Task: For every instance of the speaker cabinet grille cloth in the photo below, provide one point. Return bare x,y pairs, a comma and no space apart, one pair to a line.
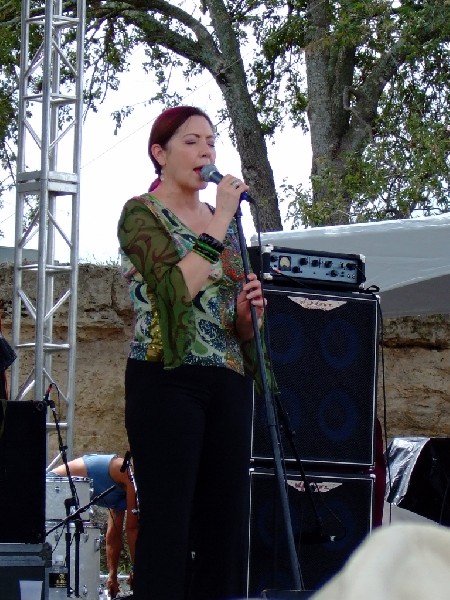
22,472
324,356
344,504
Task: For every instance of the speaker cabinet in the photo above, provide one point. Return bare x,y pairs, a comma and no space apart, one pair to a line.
22,472
24,571
323,348
344,505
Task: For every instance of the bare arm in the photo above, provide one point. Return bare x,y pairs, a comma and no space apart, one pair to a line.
113,547
132,523
114,533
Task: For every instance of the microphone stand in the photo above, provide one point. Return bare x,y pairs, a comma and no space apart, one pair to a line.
271,420
76,513
73,501
318,531
75,516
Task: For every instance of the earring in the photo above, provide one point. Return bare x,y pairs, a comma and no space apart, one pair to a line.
161,175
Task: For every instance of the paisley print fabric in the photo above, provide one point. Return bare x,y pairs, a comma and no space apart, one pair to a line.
171,326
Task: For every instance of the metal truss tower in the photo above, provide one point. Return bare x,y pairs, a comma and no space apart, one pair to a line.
50,125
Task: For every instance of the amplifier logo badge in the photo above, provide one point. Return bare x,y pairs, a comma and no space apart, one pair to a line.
312,304
316,486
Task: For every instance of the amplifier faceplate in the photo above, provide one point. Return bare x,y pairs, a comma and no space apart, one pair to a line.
309,266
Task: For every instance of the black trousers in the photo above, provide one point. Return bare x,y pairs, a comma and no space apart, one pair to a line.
189,432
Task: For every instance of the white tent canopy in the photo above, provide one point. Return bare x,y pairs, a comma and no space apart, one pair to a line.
408,259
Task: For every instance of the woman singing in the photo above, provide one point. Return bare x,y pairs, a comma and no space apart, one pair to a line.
187,384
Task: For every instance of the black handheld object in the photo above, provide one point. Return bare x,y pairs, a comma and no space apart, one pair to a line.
210,173
126,461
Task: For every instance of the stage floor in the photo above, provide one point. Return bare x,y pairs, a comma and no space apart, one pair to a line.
394,514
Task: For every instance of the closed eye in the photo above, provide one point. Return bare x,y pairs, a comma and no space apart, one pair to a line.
211,141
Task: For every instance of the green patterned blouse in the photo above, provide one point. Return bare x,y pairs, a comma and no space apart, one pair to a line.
171,327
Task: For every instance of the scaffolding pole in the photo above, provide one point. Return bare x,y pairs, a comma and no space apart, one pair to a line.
49,133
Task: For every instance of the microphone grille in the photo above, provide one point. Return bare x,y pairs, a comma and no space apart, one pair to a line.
207,171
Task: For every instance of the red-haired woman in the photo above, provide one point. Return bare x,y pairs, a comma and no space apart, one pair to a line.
188,381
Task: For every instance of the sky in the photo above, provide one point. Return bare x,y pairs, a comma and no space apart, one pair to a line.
115,165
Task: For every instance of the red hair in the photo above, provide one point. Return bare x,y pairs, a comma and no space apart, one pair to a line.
165,127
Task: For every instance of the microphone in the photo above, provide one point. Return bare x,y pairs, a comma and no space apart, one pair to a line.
210,173
47,395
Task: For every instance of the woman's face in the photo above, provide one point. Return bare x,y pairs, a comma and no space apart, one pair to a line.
188,150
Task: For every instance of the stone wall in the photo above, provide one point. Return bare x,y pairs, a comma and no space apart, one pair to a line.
413,390
104,325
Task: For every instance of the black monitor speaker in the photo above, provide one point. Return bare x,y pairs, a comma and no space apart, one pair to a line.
22,471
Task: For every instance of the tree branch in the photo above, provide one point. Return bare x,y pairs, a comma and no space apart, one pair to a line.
143,15
369,93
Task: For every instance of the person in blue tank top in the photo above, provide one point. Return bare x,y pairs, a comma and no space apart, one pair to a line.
105,471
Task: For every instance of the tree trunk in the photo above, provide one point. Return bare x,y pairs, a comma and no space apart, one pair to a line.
329,70
250,140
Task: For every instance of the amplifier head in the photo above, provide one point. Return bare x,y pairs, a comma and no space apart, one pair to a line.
308,268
